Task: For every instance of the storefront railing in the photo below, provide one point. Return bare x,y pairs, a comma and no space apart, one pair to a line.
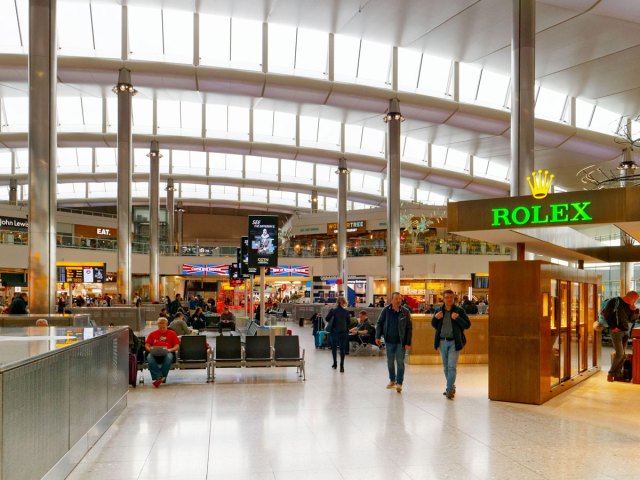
359,248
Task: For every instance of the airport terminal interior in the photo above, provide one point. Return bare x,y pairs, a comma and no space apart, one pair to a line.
488,147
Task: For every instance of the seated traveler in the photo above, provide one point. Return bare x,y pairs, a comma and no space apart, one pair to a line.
363,327
198,320
161,345
227,320
179,326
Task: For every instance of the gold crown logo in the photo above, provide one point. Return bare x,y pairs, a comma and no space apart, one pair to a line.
540,183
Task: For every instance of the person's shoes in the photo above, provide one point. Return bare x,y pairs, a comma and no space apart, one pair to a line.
341,369
334,366
164,379
449,394
157,382
391,385
610,378
399,388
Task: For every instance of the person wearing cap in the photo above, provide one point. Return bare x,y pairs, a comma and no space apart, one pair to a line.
162,337
618,312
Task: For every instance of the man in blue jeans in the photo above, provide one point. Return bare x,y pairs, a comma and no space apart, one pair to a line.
620,312
450,321
394,324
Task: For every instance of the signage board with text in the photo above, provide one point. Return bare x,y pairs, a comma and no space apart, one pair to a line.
263,241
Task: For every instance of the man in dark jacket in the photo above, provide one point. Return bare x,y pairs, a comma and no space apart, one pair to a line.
450,321
394,324
19,305
618,313
338,321
175,305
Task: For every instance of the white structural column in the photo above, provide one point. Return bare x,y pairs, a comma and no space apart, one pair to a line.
154,222
343,177
179,222
627,168
171,212
522,93
125,92
393,119
42,155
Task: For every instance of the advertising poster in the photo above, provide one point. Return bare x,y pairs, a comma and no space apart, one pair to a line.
263,241
244,264
235,278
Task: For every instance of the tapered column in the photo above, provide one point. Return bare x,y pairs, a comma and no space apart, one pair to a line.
343,177
522,93
13,191
42,155
393,119
154,222
125,92
179,222
171,214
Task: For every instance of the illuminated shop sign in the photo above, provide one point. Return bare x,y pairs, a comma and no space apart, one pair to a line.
223,270
357,226
574,212
263,241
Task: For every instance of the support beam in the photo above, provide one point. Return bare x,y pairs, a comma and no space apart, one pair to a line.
393,118
154,222
343,178
42,155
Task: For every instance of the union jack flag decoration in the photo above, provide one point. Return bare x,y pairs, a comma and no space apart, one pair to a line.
299,270
193,270
218,270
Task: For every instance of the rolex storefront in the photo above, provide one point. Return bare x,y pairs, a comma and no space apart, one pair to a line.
541,338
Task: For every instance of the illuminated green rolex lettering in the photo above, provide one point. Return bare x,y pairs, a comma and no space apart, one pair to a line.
520,215
581,215
500,214
556,213
559,212
536,215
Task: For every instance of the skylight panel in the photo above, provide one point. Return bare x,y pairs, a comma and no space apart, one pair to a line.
145,33
372,183
141,162
408,69
142,115
296,171
224,192
434,75
261,167
304,200
106,160
178,36
498,171
10,40
278,197
326,175
284,127
605,121
140,189
282,48
71,190
190,163
329,133
194,190
330,204
107,28
75,36
23,22
215,40
456,160
311,53
584,112
469,80
238,122
373,141
102,189
74,160
493,89
22,161
256,195
407,191
112,112
374,65
191,118
246,44
168,116
438,156
352,137
16,112
262,124
69,110
346,54
414,150
6,162
480,166
550,104
356,180
225,165
92,114
216,118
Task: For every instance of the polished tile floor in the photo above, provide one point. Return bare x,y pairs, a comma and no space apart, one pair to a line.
268,424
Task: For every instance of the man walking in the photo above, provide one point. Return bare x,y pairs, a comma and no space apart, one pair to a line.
394,324
450,321
619,312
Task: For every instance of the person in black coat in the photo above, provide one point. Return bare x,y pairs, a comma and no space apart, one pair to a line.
338,321
19,304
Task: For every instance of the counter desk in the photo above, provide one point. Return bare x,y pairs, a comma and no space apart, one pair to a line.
423,353
60,390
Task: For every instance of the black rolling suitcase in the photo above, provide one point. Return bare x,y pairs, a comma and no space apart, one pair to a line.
133,370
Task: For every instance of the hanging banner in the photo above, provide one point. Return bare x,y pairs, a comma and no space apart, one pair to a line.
263,241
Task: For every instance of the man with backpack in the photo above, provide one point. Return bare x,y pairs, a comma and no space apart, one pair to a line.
618,312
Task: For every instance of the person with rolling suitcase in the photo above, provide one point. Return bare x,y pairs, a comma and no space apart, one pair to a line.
318,332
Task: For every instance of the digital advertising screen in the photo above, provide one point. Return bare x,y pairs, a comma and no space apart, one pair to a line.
235,277
263,241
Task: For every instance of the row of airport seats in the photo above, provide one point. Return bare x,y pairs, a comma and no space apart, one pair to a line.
258,352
